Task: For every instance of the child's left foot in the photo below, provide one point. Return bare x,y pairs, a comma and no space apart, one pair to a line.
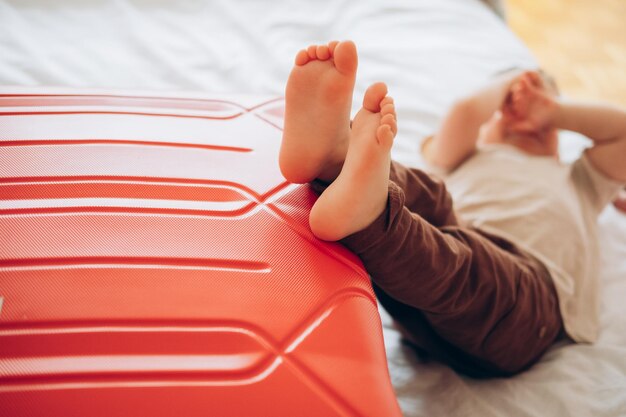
359,194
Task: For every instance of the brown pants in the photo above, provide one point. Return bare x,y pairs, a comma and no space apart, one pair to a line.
465,297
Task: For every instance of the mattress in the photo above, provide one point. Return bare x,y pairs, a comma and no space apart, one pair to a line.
428,51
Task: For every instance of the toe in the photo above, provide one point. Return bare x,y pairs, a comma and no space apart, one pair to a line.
386,100
387,119
323,53
373,96
384,135
345,57
390,120
394,127
387,109
302,58
331,47
312,51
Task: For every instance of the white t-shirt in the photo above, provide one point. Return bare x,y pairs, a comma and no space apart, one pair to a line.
549,209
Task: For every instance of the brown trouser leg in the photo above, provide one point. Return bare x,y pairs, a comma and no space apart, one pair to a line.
468,298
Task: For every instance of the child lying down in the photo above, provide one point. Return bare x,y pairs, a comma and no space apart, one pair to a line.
488,285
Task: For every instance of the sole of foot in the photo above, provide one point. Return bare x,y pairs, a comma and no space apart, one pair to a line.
359,194
318,100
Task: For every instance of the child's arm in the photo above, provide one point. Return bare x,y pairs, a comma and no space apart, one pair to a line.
456,139
604,124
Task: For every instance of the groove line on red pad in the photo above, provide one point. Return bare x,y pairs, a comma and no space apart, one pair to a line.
61,142
222,264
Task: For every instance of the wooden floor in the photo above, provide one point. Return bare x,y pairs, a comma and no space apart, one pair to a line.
582,43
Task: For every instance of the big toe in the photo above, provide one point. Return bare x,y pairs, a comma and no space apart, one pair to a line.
373,96
345,57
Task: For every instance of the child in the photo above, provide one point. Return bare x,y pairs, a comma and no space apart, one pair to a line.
486,287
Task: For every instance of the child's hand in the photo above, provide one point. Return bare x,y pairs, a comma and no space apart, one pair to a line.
530,108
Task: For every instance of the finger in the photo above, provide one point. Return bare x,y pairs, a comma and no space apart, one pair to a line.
536,79
529,89
525,84
521,103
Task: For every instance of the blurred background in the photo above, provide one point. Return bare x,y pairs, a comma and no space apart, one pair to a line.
582,43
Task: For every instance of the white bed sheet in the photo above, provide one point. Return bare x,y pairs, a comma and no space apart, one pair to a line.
428,51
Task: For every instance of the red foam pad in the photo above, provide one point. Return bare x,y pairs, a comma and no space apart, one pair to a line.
153,261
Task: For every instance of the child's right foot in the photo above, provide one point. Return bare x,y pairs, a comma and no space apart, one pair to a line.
317,112
359,195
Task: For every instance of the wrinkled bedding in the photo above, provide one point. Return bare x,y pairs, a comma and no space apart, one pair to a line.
428,51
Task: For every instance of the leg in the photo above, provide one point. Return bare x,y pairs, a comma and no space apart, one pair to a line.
424,195
420,334
471,299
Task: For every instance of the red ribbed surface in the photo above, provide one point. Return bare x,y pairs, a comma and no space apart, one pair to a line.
153,261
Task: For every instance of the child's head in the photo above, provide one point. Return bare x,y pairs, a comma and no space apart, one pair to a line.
499,127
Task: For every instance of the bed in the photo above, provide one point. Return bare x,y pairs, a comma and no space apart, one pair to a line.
428,51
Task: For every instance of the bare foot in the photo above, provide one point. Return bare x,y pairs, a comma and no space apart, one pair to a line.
317,112
359,195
